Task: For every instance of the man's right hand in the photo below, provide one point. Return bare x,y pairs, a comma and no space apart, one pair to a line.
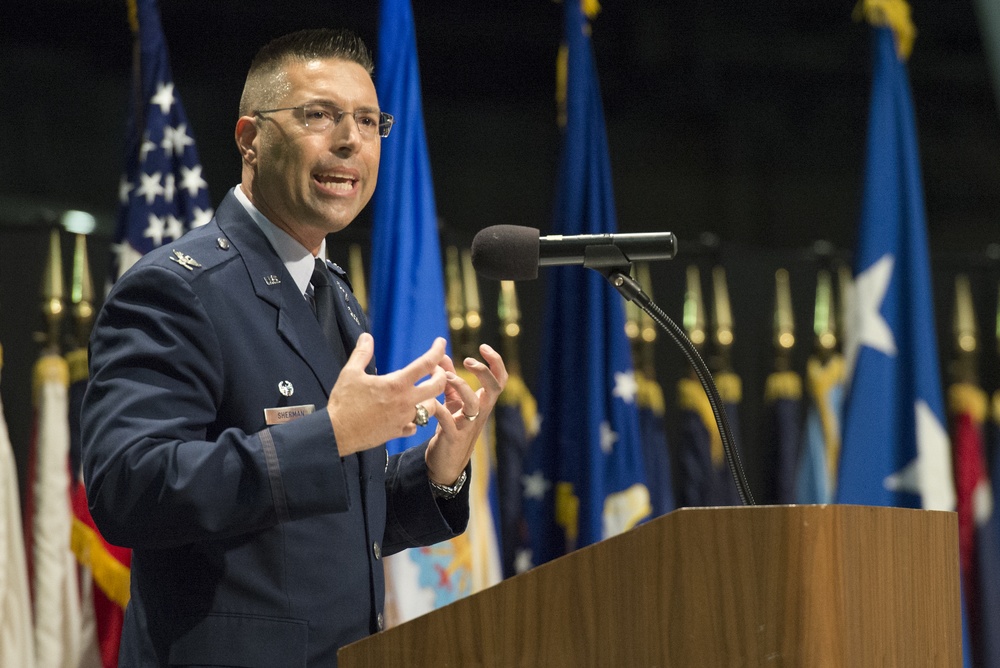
366,411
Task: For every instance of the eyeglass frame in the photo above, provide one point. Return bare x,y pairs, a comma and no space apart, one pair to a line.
385,120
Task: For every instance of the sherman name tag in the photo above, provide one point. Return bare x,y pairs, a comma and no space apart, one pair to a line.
287,413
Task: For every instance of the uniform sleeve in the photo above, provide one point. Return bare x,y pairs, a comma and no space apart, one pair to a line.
153,477
413,516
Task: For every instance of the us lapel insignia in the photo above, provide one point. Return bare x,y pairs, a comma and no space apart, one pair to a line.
271,279
185,260
286,389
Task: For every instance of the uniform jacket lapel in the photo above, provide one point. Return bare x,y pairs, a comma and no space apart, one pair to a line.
272,283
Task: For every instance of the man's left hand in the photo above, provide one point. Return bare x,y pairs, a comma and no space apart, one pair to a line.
463,415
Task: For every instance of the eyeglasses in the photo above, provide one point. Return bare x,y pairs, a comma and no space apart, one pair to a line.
318,117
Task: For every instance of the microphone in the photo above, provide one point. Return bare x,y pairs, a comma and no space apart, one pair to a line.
514,253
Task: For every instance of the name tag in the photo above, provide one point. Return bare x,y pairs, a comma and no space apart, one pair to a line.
287,413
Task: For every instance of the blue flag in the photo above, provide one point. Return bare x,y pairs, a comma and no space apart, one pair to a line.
408,313
407,295
583,479
655,449
817,473
783,399
162,193
895,447
516,413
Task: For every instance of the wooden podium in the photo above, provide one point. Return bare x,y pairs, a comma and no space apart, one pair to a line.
746,586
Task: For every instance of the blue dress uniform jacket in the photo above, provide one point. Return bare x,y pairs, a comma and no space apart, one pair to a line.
253,545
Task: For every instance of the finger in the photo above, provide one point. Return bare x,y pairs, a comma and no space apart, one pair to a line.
444,418
432,386
423,365
469,399
431,411
493,375
447,363
364,348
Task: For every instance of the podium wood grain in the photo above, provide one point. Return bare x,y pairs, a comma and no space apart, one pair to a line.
769,585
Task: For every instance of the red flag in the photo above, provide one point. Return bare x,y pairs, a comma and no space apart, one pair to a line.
967,405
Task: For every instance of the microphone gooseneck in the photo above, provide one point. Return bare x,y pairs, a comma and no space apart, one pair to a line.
513,252
631,291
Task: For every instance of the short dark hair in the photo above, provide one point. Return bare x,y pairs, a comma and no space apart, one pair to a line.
263,84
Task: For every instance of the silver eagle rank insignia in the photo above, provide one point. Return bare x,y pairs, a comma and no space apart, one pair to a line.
185,260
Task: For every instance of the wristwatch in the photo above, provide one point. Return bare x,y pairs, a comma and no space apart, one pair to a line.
448,492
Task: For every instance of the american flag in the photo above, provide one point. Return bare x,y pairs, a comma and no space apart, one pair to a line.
162,193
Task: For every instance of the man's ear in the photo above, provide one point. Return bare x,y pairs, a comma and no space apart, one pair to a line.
246,137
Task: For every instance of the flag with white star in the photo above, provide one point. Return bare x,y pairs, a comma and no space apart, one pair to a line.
895,448
162,193
583,478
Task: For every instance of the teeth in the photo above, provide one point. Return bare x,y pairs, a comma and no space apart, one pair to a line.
336,182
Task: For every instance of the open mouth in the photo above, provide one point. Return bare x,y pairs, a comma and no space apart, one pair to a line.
335,182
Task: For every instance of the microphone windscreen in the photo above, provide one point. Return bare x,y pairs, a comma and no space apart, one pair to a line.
506,253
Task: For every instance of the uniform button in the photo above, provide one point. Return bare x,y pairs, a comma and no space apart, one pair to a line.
380,620
377,550
223,243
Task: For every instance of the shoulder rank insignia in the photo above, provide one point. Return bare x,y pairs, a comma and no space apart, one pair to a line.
185,260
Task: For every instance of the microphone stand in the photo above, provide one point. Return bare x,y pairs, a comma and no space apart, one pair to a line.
610,262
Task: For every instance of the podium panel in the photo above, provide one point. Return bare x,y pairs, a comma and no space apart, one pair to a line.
735,586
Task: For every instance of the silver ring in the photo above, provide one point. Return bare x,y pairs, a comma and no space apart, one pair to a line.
422,417
471,418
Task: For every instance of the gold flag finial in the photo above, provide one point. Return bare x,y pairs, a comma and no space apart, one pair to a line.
473,319
722,315
82,293
824,316
509,313
53,304
964,324
722,309
965,332
645,327
473,311
694,307
356,267
784,318
453,290
892,14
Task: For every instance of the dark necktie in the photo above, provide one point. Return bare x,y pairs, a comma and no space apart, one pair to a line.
324,293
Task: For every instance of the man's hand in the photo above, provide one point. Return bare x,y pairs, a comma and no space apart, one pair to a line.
366,411
450,449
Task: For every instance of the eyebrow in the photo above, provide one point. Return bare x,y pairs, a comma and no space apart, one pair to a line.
334,104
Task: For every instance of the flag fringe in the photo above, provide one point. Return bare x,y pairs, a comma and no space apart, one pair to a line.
783,385
691,396
822,379
650,394
112,576
892,14
966,398
49,369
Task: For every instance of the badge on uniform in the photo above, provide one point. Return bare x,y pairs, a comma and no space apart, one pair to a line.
287,413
